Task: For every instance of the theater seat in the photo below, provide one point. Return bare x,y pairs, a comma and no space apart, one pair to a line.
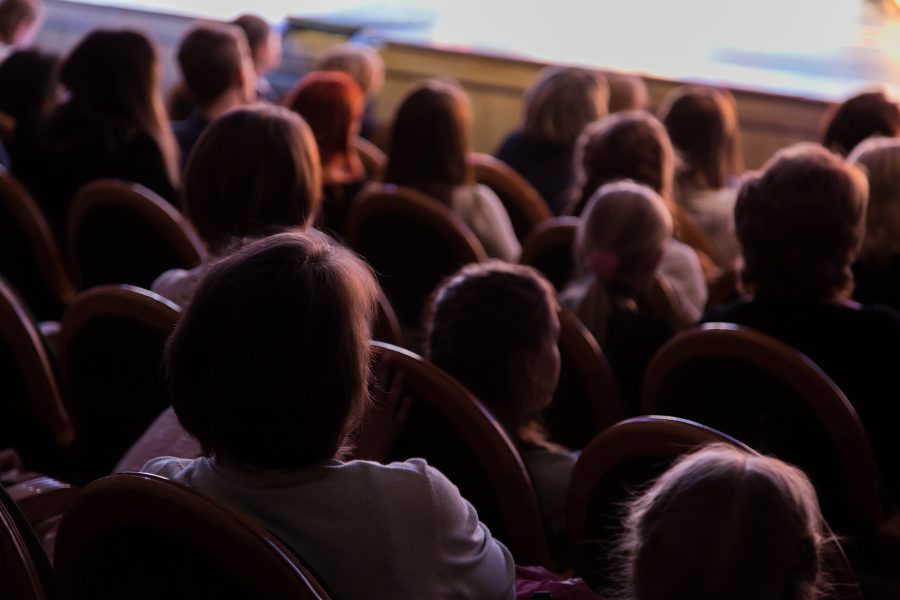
523,203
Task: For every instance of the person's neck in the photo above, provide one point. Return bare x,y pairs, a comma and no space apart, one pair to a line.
229,100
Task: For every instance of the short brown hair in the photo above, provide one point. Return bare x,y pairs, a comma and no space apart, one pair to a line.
13,13
255,169
361,62
269,365
430,139
800,222
562,102
857,118
880,158
210,59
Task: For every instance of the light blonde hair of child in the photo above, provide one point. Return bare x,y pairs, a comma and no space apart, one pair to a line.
725,523
880,159
562,102
361,62
621,238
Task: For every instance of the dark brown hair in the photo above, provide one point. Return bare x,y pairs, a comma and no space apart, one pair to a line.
801,222
702,124
860,117
13,14
269,365
253,170
430,140
481,319
255,28
210,58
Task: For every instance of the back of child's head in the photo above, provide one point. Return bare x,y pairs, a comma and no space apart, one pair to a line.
264,44
880,159
28,82
626,92
628,145
268,367
562,102
702,123
622,232
253,171
859,117
16,16
212,58
484,323
724,523
359,61
332,105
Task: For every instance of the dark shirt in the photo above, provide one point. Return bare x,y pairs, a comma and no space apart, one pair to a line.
337,198
878,283
187,132
547,166
858,347
55,158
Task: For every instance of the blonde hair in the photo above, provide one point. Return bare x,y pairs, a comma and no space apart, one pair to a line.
361,62
880,159
562,102
625,226
724,523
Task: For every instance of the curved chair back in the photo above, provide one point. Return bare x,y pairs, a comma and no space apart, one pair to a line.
586,400
373,159
524,204
412,241
766,394
120,232
387,326
448,427
32,417
29,255
550,249
111,349
134,535
25,571
618,462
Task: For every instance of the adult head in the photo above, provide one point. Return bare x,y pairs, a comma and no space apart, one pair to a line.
28,83
562,102
801,222
702,124
264,42
269,365
494,327
880,159
723,523
17,20
627,145
332,105
254,170
359,61
217,67
430,139
857,118
113,78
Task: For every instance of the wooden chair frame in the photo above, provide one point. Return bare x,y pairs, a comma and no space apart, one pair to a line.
510,185
198,516
22,576
166,219
551,234
509,478
373,159
836,415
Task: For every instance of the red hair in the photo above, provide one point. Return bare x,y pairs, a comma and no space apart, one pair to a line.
332,104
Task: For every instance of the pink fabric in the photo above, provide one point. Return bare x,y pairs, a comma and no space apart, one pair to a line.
538,579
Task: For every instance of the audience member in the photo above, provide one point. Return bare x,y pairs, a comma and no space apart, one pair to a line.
268,368
265,47
493,326
621,240
219,75
634,145
428,148
28,83
876,272
723,523
19,21
365,66
626,92
254,172
860,117
332,105
558,106
801,222
113,125
703,126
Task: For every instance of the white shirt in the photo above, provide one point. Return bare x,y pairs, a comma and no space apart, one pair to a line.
681,269
367,530
480,208
713,211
